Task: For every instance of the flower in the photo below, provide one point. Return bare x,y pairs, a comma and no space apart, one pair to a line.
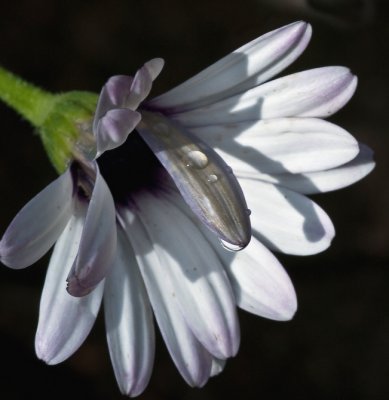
144,217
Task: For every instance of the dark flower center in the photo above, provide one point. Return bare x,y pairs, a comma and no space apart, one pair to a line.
130,168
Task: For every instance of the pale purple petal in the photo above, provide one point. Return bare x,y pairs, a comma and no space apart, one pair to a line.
204,180
98,241
280,145
129,322
65,321
142,83
113,95
191,359
114,127
287,221
197,278
38,224
332,179
217,366
244,68
317,92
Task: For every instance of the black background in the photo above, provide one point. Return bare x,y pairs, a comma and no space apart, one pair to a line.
337,347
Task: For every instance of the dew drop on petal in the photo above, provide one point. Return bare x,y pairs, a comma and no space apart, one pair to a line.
196,159
230,246
212,178
248,211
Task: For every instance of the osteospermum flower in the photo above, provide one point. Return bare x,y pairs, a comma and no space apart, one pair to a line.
152,202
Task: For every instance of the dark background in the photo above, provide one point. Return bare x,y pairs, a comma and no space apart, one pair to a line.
337,347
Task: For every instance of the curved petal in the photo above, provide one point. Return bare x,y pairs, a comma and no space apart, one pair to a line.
333,179
204,180
244,68
114,127
287,221
129,322
261,285
38,224
191,359
317,92
217,366
197,278
64,321
281,145
98,241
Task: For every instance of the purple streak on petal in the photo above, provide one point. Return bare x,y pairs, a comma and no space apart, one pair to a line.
98,241
114,127
38,224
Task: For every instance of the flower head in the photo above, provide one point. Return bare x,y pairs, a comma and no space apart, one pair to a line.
146,211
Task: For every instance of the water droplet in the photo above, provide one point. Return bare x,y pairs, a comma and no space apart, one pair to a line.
248,211
230,246
197,159
212,178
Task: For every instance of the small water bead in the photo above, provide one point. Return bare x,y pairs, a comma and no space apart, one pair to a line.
230,246
196,159
248,211
212,178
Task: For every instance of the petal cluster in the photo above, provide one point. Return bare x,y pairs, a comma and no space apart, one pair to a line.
239,153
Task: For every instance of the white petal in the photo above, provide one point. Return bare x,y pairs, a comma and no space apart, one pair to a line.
197,278
281,145
261,285
317,92
64,321
244,68
333,179
129,322
191,359
98,241
287,221
38,224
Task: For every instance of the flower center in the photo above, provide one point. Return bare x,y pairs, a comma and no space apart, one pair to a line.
130,168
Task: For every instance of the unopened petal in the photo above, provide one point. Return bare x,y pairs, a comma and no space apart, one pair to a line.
317,92
64,321
191,359
281,145
287,221
129,322
38,224
206,183
98,241
197,278
244,68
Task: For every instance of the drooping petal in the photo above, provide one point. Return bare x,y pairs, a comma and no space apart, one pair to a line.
333,179
98,241
204,180
142,83
65,321
317,92
244,68
38,224
114,127
191,359
287,221
281,145
197,278
129,322
261,285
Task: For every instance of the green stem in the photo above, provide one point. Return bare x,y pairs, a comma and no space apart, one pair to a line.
30,102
